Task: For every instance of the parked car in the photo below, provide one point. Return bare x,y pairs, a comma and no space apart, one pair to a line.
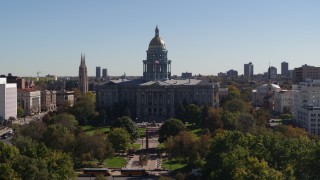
4,136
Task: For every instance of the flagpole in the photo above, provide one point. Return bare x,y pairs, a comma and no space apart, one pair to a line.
155,71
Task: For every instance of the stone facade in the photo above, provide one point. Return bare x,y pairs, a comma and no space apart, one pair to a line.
156,96
64,96
29,100
48,100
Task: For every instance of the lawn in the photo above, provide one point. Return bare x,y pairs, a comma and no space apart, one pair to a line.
135,146
91,130
161,146
87,128
196,130
174,164
142,132
116,162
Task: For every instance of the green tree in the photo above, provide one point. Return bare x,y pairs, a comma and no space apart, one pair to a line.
185,147
170,127
90,147
236,105
7,156
246,121
84,108
267,155
20,112
103,116
119,138
214,120
66,120
262,117
60,166
230,120
31,168
233,93
193,114
180,111
34,130
58,137
130,126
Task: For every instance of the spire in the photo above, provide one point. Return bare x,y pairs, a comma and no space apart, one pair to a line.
157,31
269,73
84,59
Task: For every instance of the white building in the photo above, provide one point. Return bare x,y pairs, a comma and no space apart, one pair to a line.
8,99
64,96
283,101
263,95
306,105
29,100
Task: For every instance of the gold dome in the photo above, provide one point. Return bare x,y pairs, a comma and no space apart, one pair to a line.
157,41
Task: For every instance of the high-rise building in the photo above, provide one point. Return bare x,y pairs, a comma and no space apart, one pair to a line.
98,72
83,76
284,69
248,70
305,72
104,73
8,99
272,72
232,73
157,66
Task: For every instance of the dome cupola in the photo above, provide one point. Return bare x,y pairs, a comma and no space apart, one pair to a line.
157,41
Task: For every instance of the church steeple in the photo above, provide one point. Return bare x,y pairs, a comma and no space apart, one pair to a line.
157,31
83,77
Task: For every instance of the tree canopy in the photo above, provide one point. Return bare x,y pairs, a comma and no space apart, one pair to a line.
130,126
193,114
268,155
84,108
119,138
170,127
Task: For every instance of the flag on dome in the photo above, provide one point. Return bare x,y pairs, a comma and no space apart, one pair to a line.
156,62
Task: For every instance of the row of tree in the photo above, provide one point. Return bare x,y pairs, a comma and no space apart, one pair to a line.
267,155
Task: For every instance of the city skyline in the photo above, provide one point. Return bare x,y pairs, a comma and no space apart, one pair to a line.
202,38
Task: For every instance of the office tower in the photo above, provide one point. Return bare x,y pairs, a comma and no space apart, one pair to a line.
248,70
104,73
284,69
98,72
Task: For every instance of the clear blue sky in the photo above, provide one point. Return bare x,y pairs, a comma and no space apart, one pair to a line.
203,37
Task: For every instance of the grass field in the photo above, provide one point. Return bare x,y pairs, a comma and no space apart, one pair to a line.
116,162
161,146
142,132
174,164
92,130
135,146
194,129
